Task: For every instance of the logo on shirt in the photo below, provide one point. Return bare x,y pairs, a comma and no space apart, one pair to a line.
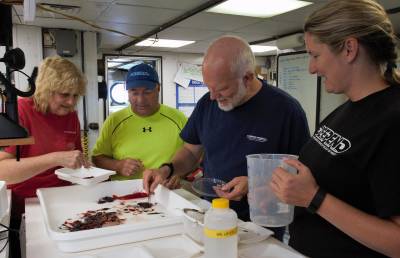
70,132
148,129
331,141
256,138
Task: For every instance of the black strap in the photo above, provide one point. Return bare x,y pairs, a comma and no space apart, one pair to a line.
316,201
171,169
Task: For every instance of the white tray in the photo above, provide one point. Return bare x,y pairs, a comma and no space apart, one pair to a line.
135,251
61,203
84,176
177,246
250,232
263,250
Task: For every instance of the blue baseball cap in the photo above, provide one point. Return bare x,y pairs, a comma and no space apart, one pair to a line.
142,75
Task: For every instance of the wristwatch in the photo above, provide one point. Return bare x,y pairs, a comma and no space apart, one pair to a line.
316,201
171,169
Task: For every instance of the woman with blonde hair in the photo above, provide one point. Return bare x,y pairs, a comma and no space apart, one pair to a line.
50,117
347,190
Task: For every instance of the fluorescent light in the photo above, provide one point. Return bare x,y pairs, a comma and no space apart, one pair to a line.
112,64
260,48
258,8
150,42
129,65
120,60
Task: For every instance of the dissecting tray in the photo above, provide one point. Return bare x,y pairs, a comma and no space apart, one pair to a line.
84,176
61,203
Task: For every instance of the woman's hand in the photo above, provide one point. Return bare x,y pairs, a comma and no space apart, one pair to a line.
71,159
298,189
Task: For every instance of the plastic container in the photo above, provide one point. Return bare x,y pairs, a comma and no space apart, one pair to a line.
84,176
193,223
220,231
61,203
206,186
265,207
248,232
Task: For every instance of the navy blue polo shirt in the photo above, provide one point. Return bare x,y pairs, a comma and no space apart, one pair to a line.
270,122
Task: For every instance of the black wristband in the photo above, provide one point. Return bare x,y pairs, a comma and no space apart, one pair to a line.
171,169
316,201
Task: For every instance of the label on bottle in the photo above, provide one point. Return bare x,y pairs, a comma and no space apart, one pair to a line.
220,233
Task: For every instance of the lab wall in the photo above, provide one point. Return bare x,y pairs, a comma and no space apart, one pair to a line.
170,65
29,39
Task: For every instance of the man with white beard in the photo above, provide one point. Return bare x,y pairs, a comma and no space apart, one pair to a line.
240,115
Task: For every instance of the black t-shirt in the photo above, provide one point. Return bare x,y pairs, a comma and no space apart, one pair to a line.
270,122
353,155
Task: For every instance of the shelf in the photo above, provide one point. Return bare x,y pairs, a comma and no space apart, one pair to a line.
17,141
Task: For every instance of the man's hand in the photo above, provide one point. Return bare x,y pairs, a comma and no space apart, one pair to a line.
173,183
153,177
128,167
234,190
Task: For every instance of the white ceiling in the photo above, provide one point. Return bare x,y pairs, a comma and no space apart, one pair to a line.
137,17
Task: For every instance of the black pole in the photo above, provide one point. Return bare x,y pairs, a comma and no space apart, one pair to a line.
5,25
6,40
85,123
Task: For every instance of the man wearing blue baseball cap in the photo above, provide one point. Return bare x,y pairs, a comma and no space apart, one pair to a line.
142,135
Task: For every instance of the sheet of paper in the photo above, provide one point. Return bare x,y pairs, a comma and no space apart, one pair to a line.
186,95
199,92
187,110
192,71
187,72
184,82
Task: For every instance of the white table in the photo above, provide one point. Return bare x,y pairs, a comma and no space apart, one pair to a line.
6,221
39,245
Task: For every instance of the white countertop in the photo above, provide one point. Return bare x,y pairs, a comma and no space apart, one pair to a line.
5,221
39,245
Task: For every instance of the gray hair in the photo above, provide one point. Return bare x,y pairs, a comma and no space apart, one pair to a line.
241,62
244,61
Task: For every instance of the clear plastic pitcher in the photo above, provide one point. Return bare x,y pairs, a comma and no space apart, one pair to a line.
265,207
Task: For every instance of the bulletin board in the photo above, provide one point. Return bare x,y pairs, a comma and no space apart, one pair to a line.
186,98
294,78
